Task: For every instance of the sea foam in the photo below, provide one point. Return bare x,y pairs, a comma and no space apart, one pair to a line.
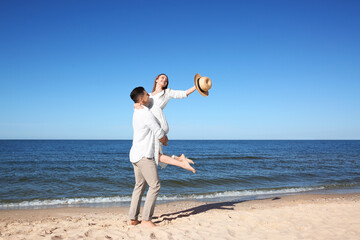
74,202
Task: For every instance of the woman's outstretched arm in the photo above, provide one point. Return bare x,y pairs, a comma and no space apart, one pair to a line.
190,90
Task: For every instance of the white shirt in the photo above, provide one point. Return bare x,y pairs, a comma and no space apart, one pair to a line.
159,101
146,130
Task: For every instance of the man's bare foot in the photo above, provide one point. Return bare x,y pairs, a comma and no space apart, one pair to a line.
185,164
147,224
183,158
134,222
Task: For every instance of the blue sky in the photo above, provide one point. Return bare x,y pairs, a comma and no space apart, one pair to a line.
280,69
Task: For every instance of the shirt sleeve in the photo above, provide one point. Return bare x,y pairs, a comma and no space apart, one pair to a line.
177,94
154,126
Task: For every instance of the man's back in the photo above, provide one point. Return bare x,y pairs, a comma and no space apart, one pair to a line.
146,130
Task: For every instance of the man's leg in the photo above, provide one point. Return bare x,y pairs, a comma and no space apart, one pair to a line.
137,194
149,171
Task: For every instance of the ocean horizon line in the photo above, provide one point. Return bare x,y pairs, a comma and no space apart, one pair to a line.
179,139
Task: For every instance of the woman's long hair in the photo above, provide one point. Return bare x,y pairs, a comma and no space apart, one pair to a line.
158,78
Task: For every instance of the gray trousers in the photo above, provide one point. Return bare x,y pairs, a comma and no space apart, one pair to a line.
145,173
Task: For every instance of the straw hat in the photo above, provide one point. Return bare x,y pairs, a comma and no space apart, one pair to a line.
202,84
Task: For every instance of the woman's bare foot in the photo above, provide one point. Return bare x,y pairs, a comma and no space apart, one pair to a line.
183,158
185,164
147,224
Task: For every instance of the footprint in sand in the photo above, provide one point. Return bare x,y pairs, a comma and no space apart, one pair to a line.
57,237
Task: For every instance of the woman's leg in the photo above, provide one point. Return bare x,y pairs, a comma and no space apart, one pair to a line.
183,158
175,162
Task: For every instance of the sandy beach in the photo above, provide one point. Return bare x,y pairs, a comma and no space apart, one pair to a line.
283,217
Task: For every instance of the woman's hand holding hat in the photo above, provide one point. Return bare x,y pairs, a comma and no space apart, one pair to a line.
202,84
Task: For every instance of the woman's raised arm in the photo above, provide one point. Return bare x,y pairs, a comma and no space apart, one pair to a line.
190,90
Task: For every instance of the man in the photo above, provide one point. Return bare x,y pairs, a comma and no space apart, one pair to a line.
146,130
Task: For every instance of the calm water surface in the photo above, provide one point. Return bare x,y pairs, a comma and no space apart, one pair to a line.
72,172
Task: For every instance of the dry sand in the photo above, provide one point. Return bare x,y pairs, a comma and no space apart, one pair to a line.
284,217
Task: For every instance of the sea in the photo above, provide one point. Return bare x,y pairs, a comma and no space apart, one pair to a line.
97,173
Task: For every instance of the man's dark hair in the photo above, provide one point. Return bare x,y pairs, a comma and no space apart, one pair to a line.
137,93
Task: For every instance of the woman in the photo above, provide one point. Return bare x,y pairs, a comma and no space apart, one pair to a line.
159,98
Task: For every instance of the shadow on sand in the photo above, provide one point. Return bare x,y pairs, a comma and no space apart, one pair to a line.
200,209
196,210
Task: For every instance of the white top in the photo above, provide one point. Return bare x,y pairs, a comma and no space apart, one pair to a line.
146,130
157,103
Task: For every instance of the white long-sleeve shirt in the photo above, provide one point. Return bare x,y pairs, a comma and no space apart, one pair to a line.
159,101
146,130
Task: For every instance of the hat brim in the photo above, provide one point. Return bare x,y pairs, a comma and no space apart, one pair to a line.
196,82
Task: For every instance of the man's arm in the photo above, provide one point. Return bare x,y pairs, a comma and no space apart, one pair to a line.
154,126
